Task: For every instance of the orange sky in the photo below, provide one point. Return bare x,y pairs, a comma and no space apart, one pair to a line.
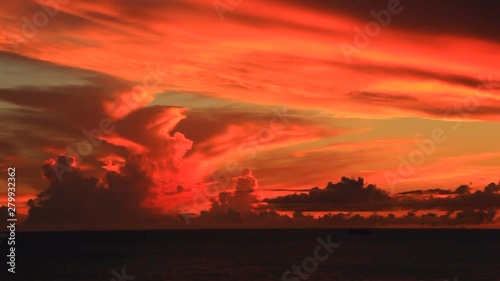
180,91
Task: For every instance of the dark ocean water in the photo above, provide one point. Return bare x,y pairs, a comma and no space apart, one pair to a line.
256,255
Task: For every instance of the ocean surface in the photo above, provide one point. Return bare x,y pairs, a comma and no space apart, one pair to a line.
183,255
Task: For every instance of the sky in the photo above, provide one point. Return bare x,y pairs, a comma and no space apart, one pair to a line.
238,113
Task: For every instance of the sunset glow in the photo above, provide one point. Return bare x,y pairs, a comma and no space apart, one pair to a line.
162,112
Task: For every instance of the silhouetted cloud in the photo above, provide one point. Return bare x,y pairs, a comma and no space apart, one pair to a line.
236,205
469,217
337,196
82,202
350,195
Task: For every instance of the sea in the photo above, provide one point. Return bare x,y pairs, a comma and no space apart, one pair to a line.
257,254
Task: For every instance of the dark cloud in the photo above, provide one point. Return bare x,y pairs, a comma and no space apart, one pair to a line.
460,199
239,204
428,191
486,107
75,201
78,105
463,189
333,197
477,19
409,72
469,217
487,112
350,195
116,201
